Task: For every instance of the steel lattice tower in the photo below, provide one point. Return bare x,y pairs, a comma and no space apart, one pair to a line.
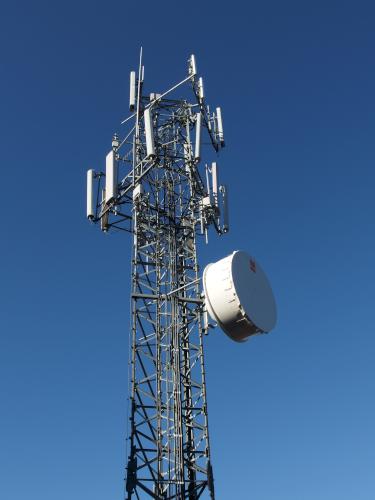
153,188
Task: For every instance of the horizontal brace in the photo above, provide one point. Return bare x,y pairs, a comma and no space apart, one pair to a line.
149,407
184,286
163,296
198,482
188,299
144,296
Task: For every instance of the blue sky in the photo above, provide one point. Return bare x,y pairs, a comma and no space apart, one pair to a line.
292,413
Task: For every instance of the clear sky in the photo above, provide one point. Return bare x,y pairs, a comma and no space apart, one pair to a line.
292,413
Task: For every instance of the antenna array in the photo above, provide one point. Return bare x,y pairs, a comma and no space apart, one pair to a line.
155,188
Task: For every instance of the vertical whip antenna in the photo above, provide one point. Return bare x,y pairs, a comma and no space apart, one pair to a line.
140,73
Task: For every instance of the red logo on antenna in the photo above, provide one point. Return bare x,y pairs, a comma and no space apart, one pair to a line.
253,266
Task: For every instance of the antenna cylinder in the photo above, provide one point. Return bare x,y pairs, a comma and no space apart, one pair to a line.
90,210
149,132
110,177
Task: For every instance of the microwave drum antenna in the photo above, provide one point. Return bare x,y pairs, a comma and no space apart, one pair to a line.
239,297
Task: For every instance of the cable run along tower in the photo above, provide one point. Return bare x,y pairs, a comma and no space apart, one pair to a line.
156,187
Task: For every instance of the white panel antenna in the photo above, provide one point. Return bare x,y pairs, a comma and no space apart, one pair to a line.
192,65
200,89
220,131
133,92
198,129
110,177
224,197
149,131
104,217
208,182
137,191
209,126
90,212
215,183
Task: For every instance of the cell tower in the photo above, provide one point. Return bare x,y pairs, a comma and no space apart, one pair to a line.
156,188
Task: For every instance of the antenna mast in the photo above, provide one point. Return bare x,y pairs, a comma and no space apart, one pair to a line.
155,188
